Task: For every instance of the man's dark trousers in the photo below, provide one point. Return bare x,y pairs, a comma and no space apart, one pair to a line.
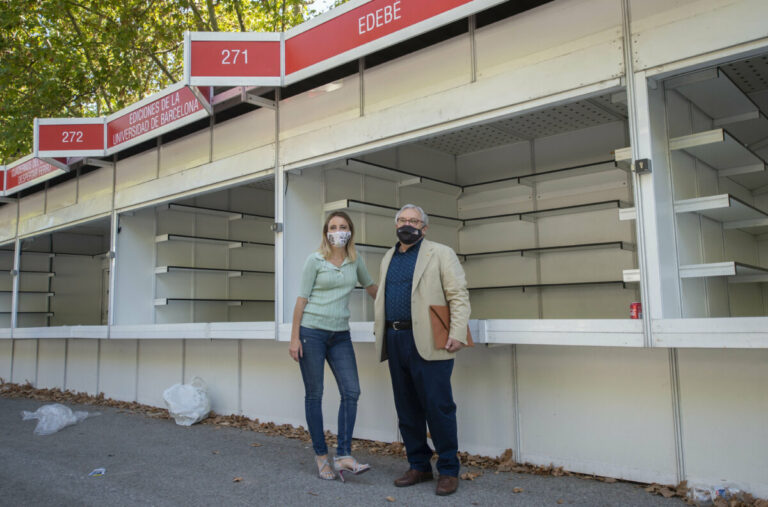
423,396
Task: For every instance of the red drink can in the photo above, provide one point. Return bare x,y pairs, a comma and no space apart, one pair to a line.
635,311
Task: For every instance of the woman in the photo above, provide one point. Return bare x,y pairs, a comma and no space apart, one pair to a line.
321,332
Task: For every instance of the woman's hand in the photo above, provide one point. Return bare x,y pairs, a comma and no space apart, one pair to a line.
295,350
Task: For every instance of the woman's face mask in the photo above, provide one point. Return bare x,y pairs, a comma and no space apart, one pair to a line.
338,238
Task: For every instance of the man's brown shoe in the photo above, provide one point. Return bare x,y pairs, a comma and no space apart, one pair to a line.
447,485
412,477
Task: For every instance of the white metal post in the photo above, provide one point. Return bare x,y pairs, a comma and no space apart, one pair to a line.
655,206
16,269
655,212
279,221
114,224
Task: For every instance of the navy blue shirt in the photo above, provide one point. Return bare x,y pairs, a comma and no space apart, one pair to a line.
397,296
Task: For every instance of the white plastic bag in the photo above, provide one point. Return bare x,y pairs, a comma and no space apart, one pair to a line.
54,417
188,403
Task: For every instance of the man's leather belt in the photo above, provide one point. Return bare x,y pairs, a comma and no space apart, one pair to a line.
399,325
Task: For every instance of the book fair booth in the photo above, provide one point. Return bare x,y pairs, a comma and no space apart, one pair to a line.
597,165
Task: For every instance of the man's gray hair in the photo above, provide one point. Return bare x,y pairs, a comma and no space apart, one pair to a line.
424,217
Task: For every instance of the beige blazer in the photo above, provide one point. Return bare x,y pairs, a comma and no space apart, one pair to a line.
438,279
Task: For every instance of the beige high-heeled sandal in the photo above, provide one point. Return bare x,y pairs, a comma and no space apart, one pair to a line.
324,469
355,468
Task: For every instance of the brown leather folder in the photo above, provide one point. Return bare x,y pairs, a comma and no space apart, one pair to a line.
441,326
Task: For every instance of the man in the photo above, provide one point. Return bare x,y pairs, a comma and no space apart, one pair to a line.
415,274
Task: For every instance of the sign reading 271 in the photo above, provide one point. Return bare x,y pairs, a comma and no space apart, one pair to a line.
242,58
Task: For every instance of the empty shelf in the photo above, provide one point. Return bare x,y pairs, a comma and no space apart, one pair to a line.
373,247
623,245
568,172
577,208
229,302
730,269
47,314
720,150
232,243
49,274
38,292
736,272
623,157
55,254
714,93
230,272
564,172
564,210
546,285
403,178
232,215
631,275
732,212
722,100
382,210
628,214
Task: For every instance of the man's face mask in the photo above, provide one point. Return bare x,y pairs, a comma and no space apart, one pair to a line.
408,234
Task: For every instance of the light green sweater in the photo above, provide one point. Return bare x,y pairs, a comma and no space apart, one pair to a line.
327,290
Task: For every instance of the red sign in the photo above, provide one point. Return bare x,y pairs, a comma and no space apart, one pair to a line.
29,171
56,137
357,27
234,58
152,117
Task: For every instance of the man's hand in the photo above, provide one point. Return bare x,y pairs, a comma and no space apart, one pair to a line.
453,345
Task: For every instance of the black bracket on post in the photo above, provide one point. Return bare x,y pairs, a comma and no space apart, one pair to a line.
643,166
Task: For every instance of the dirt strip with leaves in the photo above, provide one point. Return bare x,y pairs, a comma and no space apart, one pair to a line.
481,464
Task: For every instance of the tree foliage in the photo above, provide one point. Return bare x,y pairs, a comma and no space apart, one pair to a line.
76,58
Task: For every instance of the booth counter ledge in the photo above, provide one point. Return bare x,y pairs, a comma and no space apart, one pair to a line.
731,332
195,331
713,332
362,332
54,332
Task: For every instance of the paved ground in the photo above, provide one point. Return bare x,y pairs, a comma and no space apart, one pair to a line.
155,462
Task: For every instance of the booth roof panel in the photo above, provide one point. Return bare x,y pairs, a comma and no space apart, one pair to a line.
751,75
548,122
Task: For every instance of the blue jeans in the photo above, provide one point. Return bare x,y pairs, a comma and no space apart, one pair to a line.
423,396
335,346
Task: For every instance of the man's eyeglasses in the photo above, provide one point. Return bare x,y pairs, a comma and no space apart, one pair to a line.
408,221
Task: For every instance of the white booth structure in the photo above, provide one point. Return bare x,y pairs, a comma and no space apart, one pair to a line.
578,155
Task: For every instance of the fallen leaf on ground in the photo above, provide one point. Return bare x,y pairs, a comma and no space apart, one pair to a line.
517,490
237,479
561,501
215,452
667,493
470,476
313,493
255,444
390,499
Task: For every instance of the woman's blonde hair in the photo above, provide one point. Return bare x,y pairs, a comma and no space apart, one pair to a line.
325,247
